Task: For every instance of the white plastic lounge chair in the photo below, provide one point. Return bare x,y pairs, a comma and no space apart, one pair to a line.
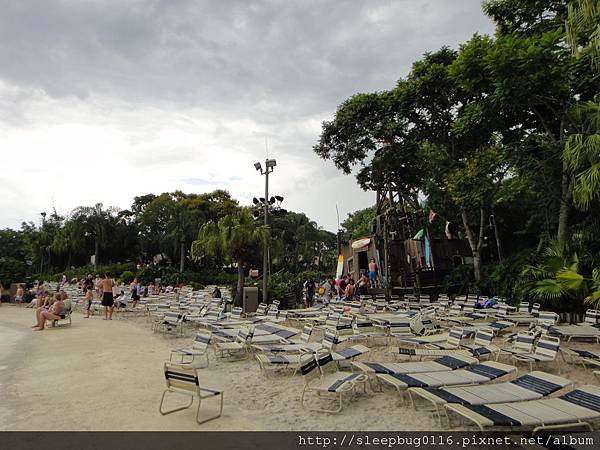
546,350
239,348
587,358
532,386
482,344
522,344
480,373
184,380
198,349
580,407
322,375
330,342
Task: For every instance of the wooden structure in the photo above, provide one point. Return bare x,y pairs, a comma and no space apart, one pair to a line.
405,264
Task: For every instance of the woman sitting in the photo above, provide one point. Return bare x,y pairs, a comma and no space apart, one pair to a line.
55,312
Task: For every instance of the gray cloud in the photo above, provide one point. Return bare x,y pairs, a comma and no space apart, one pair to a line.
237,70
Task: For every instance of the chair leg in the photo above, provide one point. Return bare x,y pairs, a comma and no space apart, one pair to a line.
175,409
200,422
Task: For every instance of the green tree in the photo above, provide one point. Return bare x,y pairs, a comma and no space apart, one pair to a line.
358,223
235,237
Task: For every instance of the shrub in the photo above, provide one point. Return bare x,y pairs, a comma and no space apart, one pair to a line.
127,277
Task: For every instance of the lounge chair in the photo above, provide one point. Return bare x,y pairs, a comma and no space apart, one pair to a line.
482,344
522,344
480,373
580,407
587,358
546,350
322,375
184,380
330,342
239,348
532,386
198,349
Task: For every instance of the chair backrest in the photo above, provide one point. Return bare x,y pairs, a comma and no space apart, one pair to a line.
424,299
344,328
455,310
535,309
273,312
547,318
181,378
202,341
325,362
245,335
524,307
524,341
399,326
468,309
503,309
455,336
591,316
276,303
261,310
330,339
364,326
309,367
484,337
306,332
332,320
172,317
547,346
236,313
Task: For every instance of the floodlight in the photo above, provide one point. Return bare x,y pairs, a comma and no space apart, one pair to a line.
279,198
255,201
271,200
270,163
257,166
262,200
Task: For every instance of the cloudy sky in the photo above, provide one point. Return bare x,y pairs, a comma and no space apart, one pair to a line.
103,100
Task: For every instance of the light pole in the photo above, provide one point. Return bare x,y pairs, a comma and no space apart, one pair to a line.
269,165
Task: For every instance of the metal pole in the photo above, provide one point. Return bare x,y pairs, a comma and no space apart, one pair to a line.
266,244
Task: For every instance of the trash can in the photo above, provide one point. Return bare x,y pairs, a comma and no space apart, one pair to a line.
250,299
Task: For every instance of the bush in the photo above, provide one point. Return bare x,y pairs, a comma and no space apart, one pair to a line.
127,277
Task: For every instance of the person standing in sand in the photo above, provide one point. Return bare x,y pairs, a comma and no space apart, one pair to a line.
107,284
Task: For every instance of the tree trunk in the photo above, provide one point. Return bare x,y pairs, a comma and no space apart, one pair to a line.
96,252
565,205
240,284
497,236
182,256
474,245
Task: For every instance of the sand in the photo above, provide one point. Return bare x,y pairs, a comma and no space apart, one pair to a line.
107,375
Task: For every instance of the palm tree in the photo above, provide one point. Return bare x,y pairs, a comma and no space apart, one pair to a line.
234,237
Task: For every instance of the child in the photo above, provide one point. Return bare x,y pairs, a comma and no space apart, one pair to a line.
88,296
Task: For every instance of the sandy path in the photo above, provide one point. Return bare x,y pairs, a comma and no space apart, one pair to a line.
108,377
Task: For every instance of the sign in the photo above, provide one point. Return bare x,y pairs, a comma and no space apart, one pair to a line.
340,267
360,243
254,273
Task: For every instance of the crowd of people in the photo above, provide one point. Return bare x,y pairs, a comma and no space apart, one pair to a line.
343,288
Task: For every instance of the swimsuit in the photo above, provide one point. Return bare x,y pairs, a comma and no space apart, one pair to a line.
107,299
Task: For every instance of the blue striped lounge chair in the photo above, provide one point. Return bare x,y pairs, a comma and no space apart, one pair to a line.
545,351
198,349
532,386
577,408
184,380
322,375
477,374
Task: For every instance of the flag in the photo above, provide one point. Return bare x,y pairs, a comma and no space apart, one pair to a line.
432,215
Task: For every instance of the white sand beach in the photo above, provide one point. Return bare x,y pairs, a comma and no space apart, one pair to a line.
107,375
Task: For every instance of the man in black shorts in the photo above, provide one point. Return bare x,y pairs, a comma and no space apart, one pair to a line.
107,285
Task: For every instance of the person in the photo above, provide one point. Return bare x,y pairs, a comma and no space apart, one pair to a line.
216,293
107,284
19,295
326,286
88,284
373,282
363,285
135,293
349,292
310,288
121,300
89,296
55,312
342,288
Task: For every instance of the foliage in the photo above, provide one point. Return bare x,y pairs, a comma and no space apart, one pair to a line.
127,277
358,223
